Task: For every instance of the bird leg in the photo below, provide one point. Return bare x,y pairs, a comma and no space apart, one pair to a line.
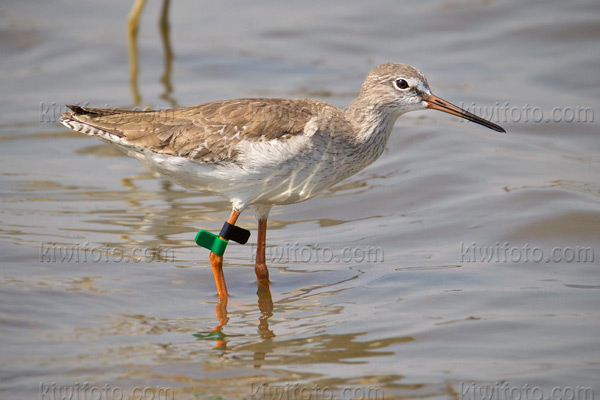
132,29
166,39
262,273
216,261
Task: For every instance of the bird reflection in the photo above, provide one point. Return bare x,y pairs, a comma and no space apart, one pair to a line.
265,305
132,29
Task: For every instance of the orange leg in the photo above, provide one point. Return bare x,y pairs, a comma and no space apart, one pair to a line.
217,262
262,273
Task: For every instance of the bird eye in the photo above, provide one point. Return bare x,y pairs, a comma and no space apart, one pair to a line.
401,84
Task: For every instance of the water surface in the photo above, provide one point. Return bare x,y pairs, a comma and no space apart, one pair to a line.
425,317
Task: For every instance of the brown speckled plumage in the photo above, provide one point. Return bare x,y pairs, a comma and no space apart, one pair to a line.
208,132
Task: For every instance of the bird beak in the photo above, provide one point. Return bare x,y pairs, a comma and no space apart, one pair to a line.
435,103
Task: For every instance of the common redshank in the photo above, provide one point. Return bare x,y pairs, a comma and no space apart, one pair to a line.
263,152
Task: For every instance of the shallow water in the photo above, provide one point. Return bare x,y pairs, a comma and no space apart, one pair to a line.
461,261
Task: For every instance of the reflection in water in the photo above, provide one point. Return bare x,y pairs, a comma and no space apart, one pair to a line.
217,333
133,25
320,349
144,226
265,305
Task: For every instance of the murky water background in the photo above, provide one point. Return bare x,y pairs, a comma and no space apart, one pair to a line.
425,316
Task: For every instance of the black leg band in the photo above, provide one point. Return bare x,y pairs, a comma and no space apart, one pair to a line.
235,233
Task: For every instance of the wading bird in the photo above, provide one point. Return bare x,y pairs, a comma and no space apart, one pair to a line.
262,152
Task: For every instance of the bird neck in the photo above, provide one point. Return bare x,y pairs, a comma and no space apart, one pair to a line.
370,122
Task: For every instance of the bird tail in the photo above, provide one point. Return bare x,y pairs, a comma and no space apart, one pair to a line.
92,121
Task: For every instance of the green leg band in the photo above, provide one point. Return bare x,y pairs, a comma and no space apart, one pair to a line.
211,242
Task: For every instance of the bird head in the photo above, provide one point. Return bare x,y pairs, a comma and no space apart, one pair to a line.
400,88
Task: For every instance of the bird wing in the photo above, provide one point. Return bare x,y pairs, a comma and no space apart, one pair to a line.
206,133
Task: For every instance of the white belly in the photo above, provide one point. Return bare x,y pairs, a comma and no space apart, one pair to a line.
264,174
